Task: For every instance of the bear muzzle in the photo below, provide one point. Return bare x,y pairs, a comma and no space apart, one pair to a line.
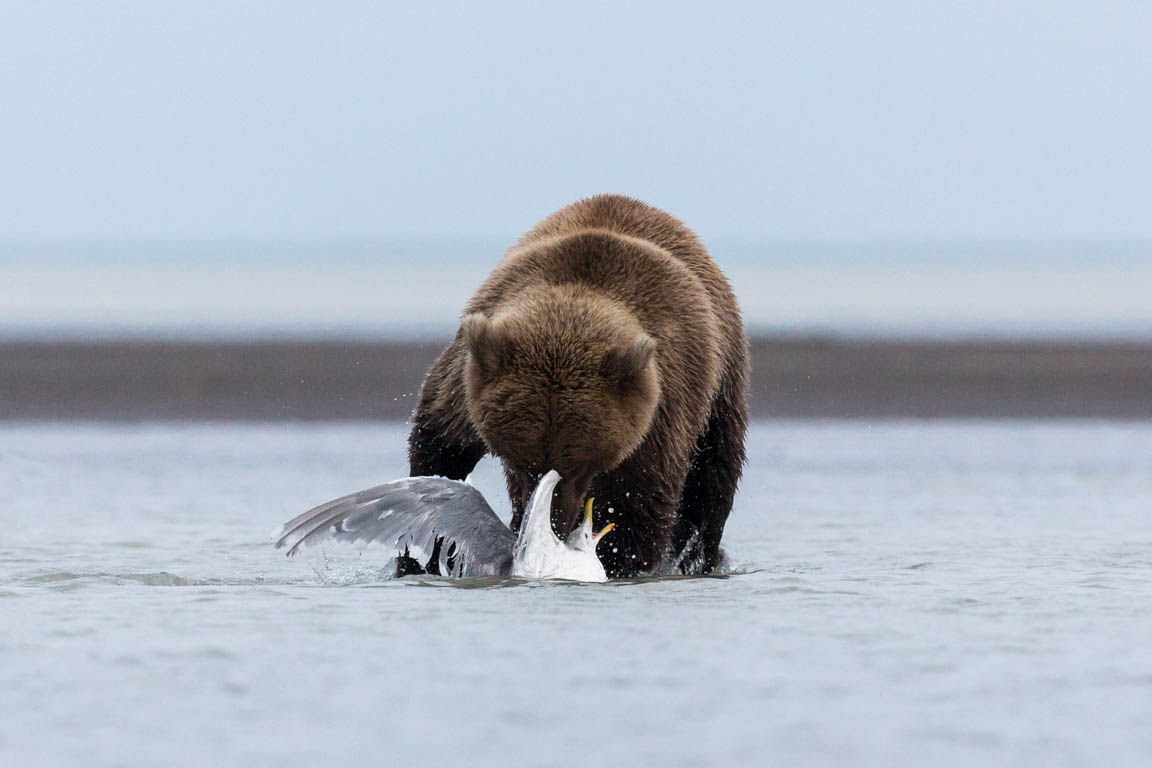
569,504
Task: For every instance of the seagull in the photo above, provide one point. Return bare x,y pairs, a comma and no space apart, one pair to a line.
448,523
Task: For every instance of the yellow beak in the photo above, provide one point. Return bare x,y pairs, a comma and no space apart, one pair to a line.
588,519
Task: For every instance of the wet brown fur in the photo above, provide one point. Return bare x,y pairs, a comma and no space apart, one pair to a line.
605,344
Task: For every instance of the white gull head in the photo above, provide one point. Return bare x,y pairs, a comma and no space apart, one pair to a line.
539,553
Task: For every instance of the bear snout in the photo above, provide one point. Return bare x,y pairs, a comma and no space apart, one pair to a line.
568,504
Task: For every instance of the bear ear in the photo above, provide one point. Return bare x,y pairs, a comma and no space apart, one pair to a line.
626,363
482,339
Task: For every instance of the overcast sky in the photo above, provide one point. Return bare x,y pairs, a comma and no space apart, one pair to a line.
758,120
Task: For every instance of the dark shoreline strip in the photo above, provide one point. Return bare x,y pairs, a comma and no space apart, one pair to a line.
792,378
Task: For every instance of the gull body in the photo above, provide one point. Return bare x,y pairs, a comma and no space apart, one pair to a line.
449,528
539,552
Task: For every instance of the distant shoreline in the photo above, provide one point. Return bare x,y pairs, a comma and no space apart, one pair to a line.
793,377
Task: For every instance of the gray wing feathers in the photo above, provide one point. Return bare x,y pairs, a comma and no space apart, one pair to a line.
408,516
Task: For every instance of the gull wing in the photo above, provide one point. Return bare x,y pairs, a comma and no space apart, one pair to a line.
411,516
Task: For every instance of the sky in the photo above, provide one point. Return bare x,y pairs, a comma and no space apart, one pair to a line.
367,120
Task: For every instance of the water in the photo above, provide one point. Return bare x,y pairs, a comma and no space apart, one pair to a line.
902,593
418,288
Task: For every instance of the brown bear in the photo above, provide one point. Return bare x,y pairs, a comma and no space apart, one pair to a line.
608,346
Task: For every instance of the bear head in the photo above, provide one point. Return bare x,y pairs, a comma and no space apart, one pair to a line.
560,378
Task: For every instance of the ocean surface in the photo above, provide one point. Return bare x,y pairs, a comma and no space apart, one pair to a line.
409,289
917,593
